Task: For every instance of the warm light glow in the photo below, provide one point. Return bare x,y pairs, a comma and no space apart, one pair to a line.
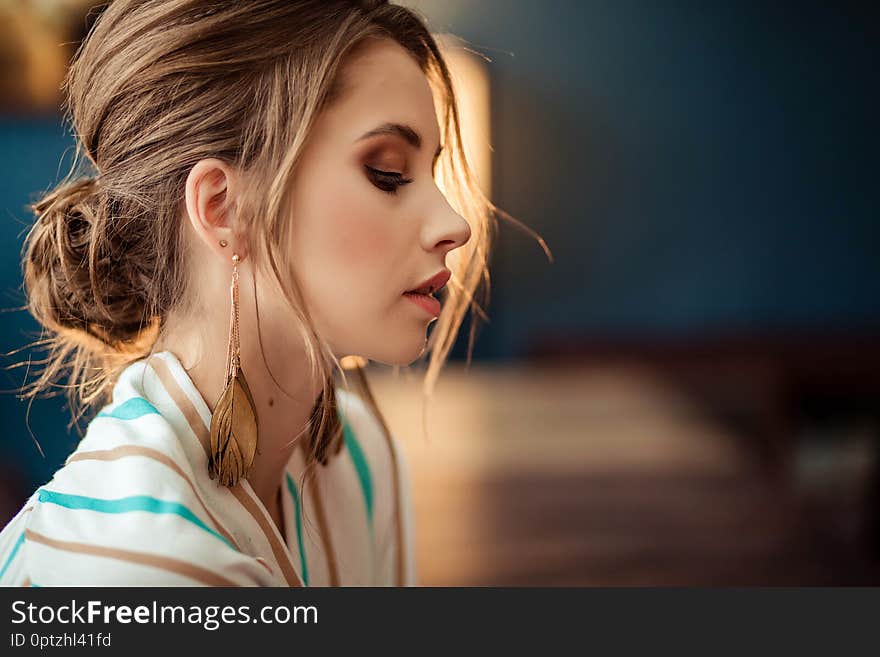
470,78
36,47
352,362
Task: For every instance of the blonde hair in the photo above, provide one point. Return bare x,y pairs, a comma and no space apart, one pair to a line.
158,85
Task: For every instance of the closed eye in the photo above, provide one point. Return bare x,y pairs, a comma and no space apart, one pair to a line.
389,182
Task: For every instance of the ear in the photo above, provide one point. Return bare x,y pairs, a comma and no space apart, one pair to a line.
210,192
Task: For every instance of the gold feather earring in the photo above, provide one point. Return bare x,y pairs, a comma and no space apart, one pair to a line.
234,421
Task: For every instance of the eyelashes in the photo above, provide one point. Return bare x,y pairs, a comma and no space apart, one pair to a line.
387,181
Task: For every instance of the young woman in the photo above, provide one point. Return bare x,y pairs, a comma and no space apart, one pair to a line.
263,199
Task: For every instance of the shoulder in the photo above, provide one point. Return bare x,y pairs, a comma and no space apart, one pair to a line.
129,451
12,570
122,527
125,510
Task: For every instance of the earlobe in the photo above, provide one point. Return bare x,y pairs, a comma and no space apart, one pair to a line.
240,248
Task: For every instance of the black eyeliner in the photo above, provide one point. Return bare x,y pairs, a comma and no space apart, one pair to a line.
395,180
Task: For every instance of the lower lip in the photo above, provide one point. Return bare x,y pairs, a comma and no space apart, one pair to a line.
426,302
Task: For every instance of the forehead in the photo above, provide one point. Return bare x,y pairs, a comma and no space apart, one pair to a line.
381,82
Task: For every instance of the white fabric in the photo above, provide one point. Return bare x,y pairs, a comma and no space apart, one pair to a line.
134,505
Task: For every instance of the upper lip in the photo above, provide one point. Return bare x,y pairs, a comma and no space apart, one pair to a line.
436,282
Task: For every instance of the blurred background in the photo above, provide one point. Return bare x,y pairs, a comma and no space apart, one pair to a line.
689,394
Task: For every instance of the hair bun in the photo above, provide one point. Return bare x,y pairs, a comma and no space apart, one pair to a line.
75,279
65,219
65,204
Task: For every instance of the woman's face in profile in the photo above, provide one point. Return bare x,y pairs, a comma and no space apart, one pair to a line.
368,221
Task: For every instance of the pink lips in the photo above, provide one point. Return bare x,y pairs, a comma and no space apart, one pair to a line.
433,284
421,294
425,301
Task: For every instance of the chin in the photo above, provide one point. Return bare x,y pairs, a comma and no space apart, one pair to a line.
402,353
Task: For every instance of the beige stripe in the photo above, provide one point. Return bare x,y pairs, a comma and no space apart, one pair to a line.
282,555
26,582
136,450
142,558
324,530
183,402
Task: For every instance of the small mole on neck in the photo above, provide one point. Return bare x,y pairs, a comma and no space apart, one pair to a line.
271,401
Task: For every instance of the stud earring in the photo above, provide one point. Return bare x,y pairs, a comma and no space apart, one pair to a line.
234,420
224,243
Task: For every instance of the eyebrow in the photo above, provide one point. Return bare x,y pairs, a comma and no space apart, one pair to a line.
409,135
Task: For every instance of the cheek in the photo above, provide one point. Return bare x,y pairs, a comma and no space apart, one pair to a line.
357,236
346,250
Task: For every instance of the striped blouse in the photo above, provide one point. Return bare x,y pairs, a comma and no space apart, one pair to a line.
133,505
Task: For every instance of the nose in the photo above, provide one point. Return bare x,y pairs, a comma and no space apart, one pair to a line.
445,229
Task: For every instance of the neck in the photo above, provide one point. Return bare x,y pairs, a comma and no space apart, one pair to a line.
282,410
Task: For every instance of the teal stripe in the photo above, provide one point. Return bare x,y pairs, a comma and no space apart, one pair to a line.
299,539
363,470
12,554
125,505
131,409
